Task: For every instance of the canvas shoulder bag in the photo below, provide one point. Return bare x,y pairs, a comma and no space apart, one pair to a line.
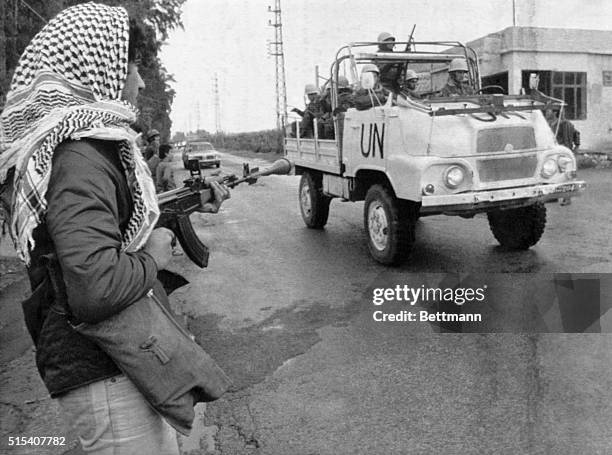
157,354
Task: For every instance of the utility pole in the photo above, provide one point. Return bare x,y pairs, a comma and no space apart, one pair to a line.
276,50
514,13
217,104
197,114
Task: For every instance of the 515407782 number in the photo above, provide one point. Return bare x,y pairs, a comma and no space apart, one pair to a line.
36,441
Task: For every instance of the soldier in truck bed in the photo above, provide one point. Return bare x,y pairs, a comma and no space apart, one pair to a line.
313,110
390,73
345,100
410,84
376,96
345,97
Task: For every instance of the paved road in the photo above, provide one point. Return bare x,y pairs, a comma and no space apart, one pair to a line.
288,312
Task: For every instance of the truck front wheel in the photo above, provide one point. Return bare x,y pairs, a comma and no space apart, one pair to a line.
389,225
314,205
518,229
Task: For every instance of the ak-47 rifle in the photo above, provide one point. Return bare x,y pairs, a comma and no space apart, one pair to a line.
176,205
410,39
408,49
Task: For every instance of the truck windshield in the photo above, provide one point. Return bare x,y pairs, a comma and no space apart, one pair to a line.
201,147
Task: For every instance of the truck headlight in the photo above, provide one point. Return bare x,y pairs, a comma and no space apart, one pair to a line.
565,163
549,168
454,176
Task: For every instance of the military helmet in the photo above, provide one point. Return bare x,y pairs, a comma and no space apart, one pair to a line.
151,134
411,74
310,88
343,82
370,67
458,64
384,36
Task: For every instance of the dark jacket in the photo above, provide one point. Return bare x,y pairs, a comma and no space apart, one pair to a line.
313,110
567,135
390,74
89,205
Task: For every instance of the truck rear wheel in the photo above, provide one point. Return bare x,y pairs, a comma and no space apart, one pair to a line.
518,229
389,225
314,205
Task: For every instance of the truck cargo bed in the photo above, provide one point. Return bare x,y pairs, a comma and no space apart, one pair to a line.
321,154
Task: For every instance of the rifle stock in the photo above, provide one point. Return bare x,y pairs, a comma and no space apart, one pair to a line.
176,206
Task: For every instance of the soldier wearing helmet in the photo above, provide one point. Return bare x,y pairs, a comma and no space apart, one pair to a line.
153,141
386,42
314,109
457,84
410,84
390,73
346,99
365,98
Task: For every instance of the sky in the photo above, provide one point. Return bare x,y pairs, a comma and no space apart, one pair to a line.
228,39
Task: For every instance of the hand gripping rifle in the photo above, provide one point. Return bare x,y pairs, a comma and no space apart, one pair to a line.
176,205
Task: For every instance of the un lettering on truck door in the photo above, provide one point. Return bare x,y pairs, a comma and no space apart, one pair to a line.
374,137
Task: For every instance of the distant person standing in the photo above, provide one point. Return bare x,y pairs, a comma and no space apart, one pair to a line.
153,141
164,175
152,151
567,135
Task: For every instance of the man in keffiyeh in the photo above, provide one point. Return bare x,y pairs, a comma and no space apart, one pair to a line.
82,193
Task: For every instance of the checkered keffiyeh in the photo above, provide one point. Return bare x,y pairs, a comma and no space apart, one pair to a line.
68,85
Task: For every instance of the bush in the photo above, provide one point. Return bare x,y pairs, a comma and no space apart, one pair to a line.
259,141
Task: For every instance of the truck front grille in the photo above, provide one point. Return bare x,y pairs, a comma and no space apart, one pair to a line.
505,139
518,167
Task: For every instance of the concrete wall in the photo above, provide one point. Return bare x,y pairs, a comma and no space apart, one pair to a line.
516,49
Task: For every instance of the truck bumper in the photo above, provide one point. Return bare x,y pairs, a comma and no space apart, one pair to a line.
482,201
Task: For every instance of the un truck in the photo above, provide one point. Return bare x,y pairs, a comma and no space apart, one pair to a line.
407,158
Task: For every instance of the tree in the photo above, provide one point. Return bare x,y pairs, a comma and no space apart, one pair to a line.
179,136
19,24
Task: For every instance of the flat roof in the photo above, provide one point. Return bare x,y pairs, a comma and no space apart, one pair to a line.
542,39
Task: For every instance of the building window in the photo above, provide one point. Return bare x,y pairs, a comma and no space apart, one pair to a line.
571,88
568,86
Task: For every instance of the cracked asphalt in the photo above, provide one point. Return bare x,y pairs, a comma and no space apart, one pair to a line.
287,312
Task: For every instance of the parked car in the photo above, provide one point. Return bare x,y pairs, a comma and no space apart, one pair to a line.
202,151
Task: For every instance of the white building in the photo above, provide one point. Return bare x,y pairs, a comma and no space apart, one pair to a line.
574,65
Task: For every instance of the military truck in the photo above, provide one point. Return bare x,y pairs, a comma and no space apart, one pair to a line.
486,153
